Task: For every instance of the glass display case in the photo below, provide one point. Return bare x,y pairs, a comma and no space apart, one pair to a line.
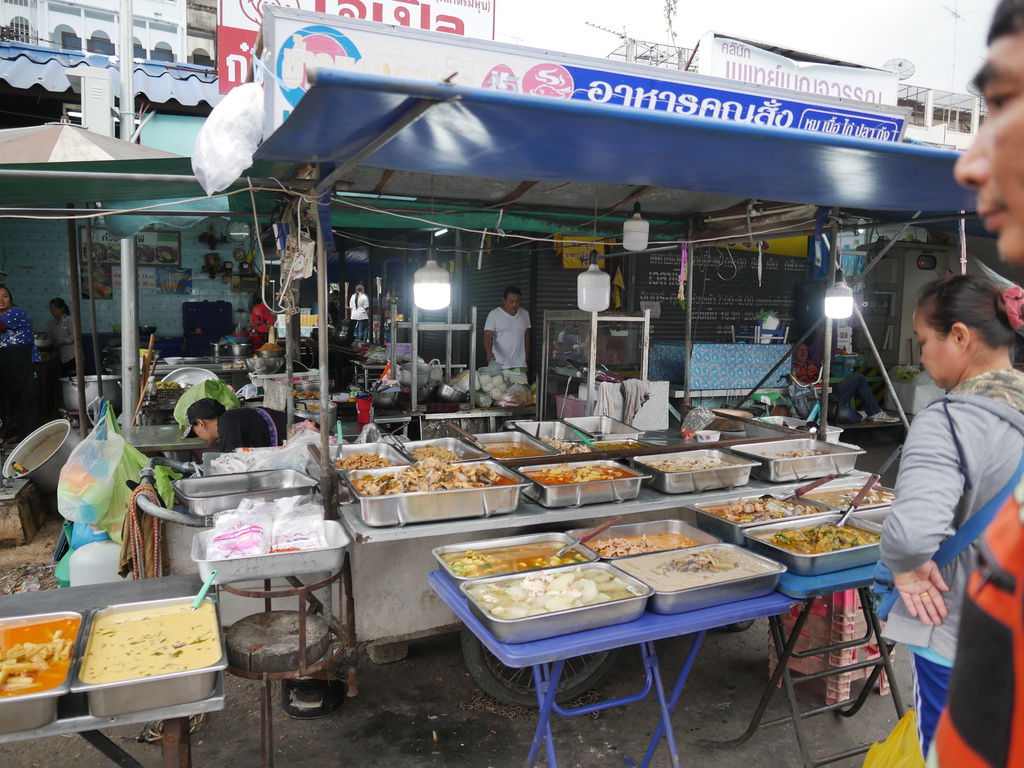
582,349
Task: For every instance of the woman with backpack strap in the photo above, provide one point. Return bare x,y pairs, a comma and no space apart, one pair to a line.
961,458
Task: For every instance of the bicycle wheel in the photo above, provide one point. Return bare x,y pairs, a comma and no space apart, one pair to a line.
515,686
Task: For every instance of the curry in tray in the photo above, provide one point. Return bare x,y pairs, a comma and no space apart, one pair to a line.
820,539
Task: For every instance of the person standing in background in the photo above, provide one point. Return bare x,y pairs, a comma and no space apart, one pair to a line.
359,310
17,374
507,331
60,332
260,319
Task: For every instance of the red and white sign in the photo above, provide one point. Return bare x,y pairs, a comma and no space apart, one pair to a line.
239,21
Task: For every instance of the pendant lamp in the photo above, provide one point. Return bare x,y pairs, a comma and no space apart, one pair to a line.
593,288
839,299
635,230
432,286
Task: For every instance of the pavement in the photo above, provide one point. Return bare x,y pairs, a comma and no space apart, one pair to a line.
426,711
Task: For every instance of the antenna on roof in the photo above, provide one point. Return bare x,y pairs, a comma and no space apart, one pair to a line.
903,68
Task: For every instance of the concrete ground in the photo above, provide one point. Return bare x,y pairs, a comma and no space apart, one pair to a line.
426,711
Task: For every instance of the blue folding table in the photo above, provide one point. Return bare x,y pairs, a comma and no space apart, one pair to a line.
806,589
546,657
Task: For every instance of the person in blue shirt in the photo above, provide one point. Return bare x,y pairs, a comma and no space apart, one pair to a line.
17,373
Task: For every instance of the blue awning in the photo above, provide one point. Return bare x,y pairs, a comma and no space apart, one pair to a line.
487,133
22,66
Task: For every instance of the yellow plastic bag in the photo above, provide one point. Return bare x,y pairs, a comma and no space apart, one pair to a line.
900,749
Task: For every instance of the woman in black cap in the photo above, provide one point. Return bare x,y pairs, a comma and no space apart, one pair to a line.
235,428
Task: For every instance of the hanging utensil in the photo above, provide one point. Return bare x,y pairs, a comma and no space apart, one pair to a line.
861,495
589,535
466,435
203,590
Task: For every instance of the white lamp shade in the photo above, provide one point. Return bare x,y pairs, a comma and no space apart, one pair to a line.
431,287
839,301
635,230
593,290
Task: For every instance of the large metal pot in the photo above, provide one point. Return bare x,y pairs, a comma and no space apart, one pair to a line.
220,350
43,453
111,391
241,349
405,373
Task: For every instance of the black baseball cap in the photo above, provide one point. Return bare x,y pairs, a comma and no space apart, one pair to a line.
205,408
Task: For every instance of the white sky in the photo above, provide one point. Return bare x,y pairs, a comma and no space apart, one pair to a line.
862,31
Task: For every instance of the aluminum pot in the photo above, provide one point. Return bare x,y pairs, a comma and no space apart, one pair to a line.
220,349
43,453
242,349
405,374
111,391
446,393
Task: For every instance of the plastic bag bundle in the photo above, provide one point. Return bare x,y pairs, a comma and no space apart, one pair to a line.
242,532
87,478
229,138
298,526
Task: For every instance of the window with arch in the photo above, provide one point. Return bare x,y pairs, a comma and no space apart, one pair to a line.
99,42
21,30
162,52
66,37
201,58
138,52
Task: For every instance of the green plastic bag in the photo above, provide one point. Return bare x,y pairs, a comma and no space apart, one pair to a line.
900,749
215,388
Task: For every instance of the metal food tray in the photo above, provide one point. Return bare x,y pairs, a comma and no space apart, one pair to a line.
554,429
206,496
384,450
716,593
28,711
849,485
515,437
458,446
834,458
603,427
275,564
565,622
736,472
122,697
650,527
733,532
587,492
815,565
433,506
508,541
632,444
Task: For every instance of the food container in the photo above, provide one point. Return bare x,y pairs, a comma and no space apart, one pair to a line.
384,450
34,709
122,697
717,593
647,529
433,506
732,532
587,492
603,427
708,436
815,565
560,540
628,444
852,486
275,564
205,496
536,447
562,622
459,447
270,353
832,459
555,429
735,472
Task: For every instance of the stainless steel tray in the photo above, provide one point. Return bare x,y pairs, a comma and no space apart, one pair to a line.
28,711
627,443
815,565
735,472
650,527
846,484
603,427
509,541
275,564
109,699
459,447
555,429
733,532
515,437
834,458
705,596
432,506
561,622
205,496
590,492
384,450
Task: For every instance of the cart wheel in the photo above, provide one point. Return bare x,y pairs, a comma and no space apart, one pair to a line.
515,686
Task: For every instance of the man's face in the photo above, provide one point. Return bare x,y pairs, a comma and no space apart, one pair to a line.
800,354
994,164
511,303
206,430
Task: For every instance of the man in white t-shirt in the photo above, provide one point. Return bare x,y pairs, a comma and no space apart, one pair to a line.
358,307
507,332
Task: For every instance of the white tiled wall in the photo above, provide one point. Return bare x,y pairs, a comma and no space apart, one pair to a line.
34,254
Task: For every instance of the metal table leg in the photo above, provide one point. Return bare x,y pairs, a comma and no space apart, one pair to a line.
176,743
110,750
668,707
545,679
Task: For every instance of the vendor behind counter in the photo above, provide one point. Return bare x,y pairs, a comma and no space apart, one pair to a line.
237,427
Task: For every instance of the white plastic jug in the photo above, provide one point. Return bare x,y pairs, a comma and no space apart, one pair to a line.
94,563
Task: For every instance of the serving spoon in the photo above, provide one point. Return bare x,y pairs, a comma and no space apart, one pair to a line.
589,535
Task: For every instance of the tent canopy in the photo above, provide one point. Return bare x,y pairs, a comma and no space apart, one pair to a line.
481,133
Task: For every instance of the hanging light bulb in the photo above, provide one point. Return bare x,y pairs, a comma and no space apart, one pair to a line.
431,286
635,230
593,288
839,299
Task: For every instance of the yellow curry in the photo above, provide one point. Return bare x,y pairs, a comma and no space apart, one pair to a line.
491,562
819,539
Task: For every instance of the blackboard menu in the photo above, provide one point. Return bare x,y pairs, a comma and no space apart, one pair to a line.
726,291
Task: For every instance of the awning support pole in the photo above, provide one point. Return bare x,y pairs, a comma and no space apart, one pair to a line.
129,329
826,355
76,327
97,357
692,257
326,473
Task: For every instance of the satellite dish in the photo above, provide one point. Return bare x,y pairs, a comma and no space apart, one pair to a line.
903,68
